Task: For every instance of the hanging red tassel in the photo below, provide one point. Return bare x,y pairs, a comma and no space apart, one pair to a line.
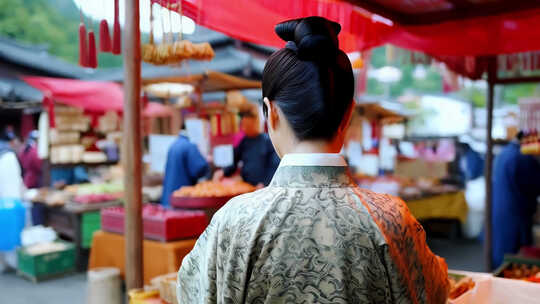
117,44
83,50
92,53
104,37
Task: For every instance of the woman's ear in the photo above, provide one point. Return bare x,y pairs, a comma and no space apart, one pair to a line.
347,118
272,114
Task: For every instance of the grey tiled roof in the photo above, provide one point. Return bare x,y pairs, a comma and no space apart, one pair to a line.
38,60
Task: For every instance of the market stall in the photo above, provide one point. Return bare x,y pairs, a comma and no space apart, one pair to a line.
80,140
415,169
487,25
502,32
209,124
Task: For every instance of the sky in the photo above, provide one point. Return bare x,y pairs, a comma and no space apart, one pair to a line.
99,9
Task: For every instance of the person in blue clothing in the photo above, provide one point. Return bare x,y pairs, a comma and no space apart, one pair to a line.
516,188
185,165
255,152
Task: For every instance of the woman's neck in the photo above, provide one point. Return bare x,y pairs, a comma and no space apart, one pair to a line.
314,146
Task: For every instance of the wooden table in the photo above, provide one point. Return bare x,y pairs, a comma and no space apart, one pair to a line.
441,214
450,205
108,250
66,221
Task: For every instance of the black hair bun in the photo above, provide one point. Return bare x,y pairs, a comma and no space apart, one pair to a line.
315,37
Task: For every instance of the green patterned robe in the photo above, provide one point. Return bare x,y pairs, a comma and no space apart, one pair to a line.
312,237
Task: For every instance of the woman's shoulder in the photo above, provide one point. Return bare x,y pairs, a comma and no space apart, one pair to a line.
384,206
407,247
244,206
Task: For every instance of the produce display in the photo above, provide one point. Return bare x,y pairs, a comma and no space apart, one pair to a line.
530,273
50,197
45,260
459,285
215,189
82,189
42,248
97,198
405,188
530,143
95,193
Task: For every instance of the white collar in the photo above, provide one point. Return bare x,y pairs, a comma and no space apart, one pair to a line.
313,159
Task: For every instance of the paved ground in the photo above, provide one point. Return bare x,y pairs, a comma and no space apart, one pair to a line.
66,290
459,254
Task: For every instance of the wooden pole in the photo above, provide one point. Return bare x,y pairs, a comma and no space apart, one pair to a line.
492,75
132,160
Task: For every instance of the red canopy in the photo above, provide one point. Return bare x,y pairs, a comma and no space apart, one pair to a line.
439,28
92,96
491,35
254,20
95,97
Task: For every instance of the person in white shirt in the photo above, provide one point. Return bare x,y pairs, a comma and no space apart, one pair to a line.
11,186
11,183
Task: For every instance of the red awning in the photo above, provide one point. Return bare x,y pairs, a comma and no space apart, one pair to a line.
95,97
254,20
154,109
92,96
481,36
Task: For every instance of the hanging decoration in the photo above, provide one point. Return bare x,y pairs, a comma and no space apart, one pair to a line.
170,51
83,48
92,51
104,37
117,40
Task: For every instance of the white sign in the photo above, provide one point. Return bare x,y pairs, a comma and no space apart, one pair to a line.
159,147
197,132
223,156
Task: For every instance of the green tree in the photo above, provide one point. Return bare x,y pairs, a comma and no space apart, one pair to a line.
432,83
53,23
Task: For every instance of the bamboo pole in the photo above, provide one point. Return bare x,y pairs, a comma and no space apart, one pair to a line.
132,160
492,75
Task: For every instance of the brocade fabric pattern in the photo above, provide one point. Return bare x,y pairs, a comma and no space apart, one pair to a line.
312,236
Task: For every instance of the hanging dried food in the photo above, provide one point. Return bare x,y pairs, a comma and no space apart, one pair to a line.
203,51
170,51
183,50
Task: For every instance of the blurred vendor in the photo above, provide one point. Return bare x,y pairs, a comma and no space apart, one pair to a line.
30,162
11,183
255,151
516,188
185,165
